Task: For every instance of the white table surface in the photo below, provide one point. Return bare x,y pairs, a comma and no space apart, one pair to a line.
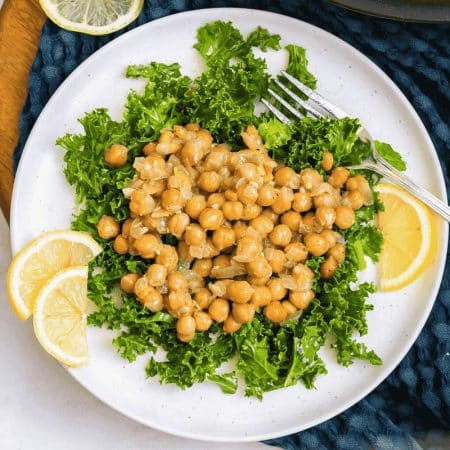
43,407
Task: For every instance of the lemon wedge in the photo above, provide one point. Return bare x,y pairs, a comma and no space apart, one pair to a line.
410,237
42,258
59,316
95,17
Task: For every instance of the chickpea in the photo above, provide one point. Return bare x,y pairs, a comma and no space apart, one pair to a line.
259,267
116,155
149,148
310,178
230,195
142,288
195,205
240,228
262,224
211,218
217,158
192,152
289,307
156,274
267,195
216,200
219,309
177,224
128,281
327,161
230,325
192,126
243,313
239,291
176,281
338,177
183,252
281,235
141,203
302,202
251,212
337,252
249,247
273,216
209,181
275,312
223,237
203,321
147,245
168,257
301,299
345,217
186,328
153,166
171,146
257,281
310,223
283,202
194,234
285,176
153,300
107,227
330,236
232,210
203,267
328,267
247,194
204,136
276,258
316,244
120,245
177,299
203,297
302,273
248,171
261,296
277,289
292,220
326,216
324,200
222,261
171,200
296,252
126,227
356,199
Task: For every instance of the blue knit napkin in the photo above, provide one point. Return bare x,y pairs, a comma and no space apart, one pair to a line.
415,398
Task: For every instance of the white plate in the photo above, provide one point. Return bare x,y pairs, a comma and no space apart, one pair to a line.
42,201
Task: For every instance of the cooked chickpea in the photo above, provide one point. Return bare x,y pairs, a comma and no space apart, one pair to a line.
232,210
215,200
337,252
310,223
324,200
327,161
356,199
289,307
168,257
296,252
177,224
204,136
183,252
192,152
203,267
291,219
276,258
251,211
326,216
171,200
330,236
230,325
247,194
219,309
192,126
259,267
147,246
194,234
243,313
262,224
156,274
177,299
257,281
230,195
203,297
141,203
222,261
152,166
239,291
186,328
267,195
261,296
116,155
310,178
126,227
142,288
195,205
285,176
209,181
316,244
277,290
120,245
211,218
248,171
281,235
223,237
338,177
149,148
282,203
301,299
153,300
302,202
176,281
217,158
203,321
107,227
128,281
345,217
328,267
240,228
275,312
302,273
249,247
273,216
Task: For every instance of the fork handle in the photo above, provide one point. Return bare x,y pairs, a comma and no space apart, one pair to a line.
407,183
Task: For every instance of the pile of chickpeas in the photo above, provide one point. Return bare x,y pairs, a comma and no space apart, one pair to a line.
245,227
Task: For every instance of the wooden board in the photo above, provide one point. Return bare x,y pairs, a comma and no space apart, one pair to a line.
21,22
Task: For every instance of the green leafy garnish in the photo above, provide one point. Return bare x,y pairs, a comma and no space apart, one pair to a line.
390,155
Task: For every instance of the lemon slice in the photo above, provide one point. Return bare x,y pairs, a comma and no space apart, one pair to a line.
92,16
410,238
59,316
35,264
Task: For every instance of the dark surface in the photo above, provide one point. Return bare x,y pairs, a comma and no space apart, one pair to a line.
415,398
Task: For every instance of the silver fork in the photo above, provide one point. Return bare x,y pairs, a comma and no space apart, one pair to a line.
317,106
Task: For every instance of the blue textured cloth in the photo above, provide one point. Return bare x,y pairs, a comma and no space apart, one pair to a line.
416,396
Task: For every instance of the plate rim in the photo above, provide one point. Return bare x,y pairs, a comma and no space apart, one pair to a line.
440,260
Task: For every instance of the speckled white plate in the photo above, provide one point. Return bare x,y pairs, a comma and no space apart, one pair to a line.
42,201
